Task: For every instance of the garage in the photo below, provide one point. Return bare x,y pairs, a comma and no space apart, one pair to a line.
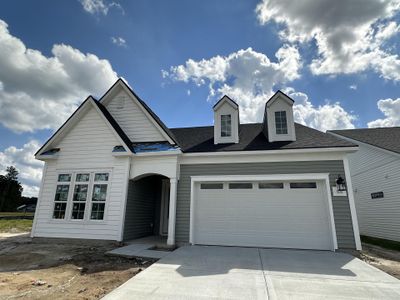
282,212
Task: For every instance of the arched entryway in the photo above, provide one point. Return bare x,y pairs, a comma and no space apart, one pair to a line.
147,207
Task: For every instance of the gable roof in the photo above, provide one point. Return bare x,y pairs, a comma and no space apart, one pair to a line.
73,118
252,138
276,96
228,100
157,120
387,138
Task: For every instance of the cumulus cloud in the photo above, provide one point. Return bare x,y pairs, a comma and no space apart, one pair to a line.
391,109
119,41
350,36
99,6
247,76
328,116
30,169
353,86
39,92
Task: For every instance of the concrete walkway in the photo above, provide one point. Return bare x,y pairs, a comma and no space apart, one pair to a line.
200,272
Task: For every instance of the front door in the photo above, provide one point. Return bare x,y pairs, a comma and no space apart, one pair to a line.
164,207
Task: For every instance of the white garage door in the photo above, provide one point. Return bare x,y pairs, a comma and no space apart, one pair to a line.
282,214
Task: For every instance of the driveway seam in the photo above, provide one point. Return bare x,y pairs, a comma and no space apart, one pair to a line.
270,295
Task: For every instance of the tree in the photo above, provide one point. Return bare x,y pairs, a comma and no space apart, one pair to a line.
10,190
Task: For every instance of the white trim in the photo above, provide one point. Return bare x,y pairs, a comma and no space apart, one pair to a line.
165,186
305,176
125,199
159,153
353,211
364,144
172,211
123,85
36,215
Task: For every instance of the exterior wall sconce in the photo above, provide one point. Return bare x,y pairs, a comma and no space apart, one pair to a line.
339,190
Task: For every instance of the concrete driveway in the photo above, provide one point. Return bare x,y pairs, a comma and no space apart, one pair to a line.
201,272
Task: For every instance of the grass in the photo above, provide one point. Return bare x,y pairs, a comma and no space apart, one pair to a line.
15,225
16,213
388,244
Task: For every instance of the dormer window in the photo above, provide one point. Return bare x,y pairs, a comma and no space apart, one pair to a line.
226,125
281,122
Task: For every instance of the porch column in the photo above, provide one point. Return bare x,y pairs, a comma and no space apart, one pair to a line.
172,211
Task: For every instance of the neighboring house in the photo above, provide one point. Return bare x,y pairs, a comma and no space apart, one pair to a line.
114,171
375,173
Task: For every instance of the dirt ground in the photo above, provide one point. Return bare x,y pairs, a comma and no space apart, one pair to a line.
381,258
61,269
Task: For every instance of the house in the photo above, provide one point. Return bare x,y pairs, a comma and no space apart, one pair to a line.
114,171
375,173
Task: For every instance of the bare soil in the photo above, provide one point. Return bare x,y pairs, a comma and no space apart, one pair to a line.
61,269
381,258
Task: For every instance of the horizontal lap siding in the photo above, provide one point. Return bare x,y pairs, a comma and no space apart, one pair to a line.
88,145
341,206
372,171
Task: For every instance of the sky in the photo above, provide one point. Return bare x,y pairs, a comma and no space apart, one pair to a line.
339,60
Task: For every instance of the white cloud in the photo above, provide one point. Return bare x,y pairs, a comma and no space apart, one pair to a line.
119,41
99,6
391,109
350,36
353,86
247,76
39,92
30,169
323,117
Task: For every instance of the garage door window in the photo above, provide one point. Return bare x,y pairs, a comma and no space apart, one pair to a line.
240,186
303,185
270,185
211,186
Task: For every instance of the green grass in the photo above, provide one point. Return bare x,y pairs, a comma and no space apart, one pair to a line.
15,225
16,213
388,244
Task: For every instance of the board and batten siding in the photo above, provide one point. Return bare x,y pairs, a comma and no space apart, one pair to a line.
341,208
87,146
133,121
373,170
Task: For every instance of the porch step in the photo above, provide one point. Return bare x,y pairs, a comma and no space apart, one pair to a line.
138,250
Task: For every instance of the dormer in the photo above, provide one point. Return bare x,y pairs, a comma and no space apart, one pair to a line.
226,121
278,118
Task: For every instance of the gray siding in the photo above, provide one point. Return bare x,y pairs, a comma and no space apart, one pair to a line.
342,215
142,207
373,170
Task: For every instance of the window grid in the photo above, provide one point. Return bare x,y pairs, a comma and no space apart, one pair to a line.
281,122
226,125
61,196
99,196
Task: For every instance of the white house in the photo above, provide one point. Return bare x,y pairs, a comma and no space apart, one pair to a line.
114,171
375,173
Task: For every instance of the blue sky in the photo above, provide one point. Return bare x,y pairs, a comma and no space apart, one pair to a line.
337,60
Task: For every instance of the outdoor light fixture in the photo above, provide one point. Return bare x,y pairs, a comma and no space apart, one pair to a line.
340,184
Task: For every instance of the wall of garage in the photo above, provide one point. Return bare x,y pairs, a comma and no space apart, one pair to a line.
341,207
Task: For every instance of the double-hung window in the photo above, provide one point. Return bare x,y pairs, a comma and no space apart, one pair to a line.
99,196
226,125
80,196
61,196
281,122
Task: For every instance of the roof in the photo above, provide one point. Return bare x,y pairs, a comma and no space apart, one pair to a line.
387,138
224,98
275,96
252,138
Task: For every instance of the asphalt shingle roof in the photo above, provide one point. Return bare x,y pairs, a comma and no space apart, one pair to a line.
387,138
252,137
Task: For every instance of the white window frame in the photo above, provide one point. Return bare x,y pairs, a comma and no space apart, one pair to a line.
225,127
69,183
281,123
91,202
88,204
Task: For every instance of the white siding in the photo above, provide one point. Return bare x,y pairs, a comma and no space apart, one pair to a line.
87,146
133,121
373,170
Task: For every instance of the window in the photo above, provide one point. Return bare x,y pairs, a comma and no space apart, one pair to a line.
240,185
226,125
281,122
61,196
211,186
99,196
270,185
303,185
79,201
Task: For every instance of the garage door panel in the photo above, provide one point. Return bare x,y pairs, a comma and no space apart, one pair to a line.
288,218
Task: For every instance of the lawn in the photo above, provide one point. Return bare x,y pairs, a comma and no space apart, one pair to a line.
21,225
16,213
